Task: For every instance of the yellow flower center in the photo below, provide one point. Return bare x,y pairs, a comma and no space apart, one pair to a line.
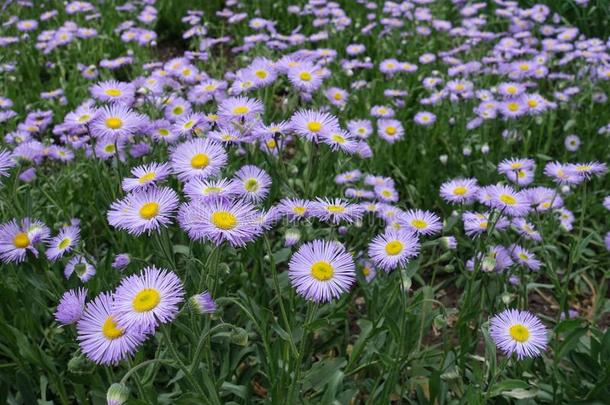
532,103
212,190
516,165
419,224
523,256
240,110
21,240
508,199
113,92
335,209
460,190
322,271
251,185
163,132
394,247
111,330
460,87
149,210
524,67
65,242
189,124
224,220
261,74
338,138
519,332
109,148
338,96
178,110
513,107
271,144
299,210
366,271
200,160
146,299
84,118
305,76
390,130
147,177
114,122
314,126
511,89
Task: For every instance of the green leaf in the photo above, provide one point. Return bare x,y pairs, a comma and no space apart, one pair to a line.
520,393
508,385
321,373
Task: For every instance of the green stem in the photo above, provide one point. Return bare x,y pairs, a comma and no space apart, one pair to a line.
181,365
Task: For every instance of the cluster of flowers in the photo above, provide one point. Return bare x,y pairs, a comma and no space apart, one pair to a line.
113,325
164,110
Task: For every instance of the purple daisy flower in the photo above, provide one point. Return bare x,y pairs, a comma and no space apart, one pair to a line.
305,77
116,121
368,270
252,183
146,176
360,128
509,201
519,332
562,173
322,270
393,249
424,118
79,265
16,239
67,238
525,258
99,336
421,222
335,210
459,191
515,164
205,190
198,158
114,92
144,211
310,124
390,130
146,300
240,108
587,170
294,209
340,140
71,306
235,222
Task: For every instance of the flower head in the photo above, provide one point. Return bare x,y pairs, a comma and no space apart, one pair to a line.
393,249
321,270
519,332
144,211
101,338
144,301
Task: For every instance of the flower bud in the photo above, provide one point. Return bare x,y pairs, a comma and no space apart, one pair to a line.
117,394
